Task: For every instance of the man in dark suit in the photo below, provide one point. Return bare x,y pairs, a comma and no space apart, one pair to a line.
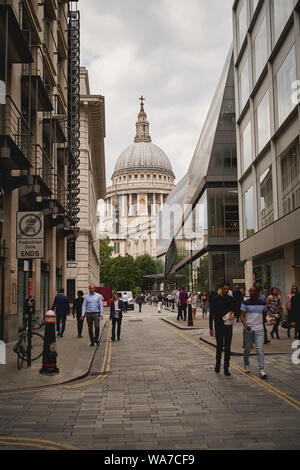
62,307
117,308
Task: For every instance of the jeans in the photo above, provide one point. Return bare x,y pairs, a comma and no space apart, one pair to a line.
223,338
256,337
93,319
61,318
118,322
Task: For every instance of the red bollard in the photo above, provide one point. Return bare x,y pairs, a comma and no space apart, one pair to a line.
49,351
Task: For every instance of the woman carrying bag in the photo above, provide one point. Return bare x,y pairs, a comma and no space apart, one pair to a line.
275,308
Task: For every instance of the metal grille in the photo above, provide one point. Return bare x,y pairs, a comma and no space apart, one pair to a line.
74,116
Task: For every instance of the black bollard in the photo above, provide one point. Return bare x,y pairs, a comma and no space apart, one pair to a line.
190,314
49,351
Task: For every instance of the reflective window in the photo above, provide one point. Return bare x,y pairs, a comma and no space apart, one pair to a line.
260,51
281,12
265,199
242,24
262,123
290,181
244,86
246,148
249,212
284,81
223,212
227,115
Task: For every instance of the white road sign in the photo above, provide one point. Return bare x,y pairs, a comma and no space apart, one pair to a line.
30,235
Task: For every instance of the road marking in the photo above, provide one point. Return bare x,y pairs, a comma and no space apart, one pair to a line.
266,385
103,374
31,442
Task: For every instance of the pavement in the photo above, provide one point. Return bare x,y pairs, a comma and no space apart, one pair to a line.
157,389
282,346
74,357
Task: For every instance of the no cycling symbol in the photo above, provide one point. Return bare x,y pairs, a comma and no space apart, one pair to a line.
30,225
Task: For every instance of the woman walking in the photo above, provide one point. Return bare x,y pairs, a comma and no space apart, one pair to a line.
204,304
194,301
291,314
275,308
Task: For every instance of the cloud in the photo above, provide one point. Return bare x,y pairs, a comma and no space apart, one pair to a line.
172,52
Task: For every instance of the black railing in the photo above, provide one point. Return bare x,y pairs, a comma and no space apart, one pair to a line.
60,192
14,125
43,166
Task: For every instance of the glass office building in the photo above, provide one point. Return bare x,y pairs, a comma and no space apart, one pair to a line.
198,233
267,74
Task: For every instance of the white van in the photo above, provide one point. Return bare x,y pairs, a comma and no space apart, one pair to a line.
130,298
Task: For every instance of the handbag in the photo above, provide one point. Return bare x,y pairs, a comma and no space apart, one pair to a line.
285,324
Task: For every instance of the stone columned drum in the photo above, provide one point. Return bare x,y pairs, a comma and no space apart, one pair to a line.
141,182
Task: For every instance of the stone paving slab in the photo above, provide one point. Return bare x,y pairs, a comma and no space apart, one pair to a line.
73,360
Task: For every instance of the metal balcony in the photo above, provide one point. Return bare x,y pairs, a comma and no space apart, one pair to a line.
14,47
44,170
55,124
60,193
34,87
15,138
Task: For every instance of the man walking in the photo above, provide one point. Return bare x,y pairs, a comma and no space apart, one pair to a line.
116,313
139,301
253,312
62,307
220,306
92,307
77,310
183,296
125,301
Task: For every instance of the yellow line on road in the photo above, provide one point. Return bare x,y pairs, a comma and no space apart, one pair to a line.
266,385
35,443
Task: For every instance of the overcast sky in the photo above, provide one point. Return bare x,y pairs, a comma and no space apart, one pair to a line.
172,52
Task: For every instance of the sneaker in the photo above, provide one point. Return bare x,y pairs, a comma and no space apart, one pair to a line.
246,369
263,375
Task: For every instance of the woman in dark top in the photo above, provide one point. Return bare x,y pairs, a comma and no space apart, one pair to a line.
77,308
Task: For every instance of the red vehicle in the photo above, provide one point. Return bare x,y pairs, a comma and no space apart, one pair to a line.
106,292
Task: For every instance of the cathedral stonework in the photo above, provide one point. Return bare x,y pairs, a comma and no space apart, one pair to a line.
142,180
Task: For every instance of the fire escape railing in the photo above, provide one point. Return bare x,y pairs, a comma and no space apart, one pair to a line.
74,116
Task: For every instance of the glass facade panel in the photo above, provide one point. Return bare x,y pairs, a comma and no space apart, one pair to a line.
223,213
242,24
244,86
281,12
283,82
223,160
254,5
265,199
249,213
263,123
290,181
260,51
246,148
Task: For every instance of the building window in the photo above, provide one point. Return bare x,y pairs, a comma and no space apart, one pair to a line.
265,199
249,213
290,181
242,24
117,248
244,86
148,176
246,148
142,176
260,51
71,286
135,176
282,10
262,123
223,213
284,80
71,250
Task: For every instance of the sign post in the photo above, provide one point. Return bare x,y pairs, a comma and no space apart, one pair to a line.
30,246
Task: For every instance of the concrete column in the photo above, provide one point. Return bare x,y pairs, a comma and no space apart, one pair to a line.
10,206
249,281
51,258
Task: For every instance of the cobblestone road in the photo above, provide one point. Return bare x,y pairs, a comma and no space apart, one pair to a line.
161,392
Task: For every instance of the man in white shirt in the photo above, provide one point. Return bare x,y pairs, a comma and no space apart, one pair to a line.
125,301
